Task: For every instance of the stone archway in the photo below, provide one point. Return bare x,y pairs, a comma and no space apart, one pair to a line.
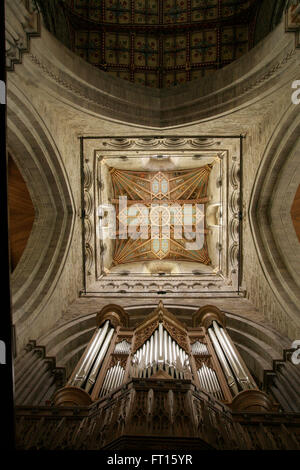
275,239
39,162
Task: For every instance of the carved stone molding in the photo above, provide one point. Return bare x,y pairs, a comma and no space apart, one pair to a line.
36,375
20,26
223,276
107,96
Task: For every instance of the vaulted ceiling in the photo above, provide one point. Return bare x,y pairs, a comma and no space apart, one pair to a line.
157,43
164,210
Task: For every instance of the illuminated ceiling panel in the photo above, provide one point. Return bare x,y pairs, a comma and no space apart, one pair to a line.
163,213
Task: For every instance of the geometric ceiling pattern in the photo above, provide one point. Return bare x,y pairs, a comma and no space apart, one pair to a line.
161,43
168,208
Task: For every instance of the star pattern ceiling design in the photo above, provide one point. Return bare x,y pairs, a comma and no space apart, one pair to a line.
167,208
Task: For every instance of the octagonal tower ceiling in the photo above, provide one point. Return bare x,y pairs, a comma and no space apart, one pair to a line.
157,43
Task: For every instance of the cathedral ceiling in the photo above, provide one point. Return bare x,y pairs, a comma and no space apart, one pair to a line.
178,192
157,43
158,205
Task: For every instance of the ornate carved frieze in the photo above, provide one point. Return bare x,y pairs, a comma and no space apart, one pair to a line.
88,217
200,360
157,412
118,358
148,143
179,336
145,333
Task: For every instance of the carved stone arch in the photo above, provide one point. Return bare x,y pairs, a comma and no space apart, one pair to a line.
43,260
115,313
274,236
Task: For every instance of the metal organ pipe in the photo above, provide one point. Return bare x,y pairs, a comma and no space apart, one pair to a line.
122,348
245,374
89,358
226,350
155,351
96,367
115,381
228,373
199,348
166,348
160,351
217,386
111,379
209,381
242,378
151,353
160,334
171,359
205,377
105,382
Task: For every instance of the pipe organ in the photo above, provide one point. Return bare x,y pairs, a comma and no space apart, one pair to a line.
161,347
88,369
209,381
113,379
237,376
160,351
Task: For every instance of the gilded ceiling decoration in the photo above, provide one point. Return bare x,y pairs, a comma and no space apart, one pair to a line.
168,207
160,43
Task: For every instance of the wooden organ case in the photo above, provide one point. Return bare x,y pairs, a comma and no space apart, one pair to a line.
161,347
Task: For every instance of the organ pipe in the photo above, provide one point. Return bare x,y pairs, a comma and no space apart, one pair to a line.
122,348
209,381
226,368
199,349
232,357
251,383
160,351
90,355
96,367
113,379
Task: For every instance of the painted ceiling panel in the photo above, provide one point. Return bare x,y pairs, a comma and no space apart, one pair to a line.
161,43
168,206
